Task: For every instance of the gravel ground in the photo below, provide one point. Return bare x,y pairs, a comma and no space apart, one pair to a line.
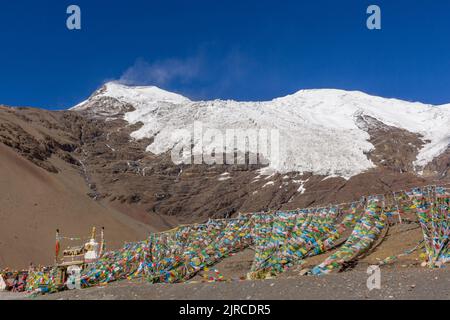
396,283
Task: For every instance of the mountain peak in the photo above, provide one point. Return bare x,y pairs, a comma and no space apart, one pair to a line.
149,93
135,95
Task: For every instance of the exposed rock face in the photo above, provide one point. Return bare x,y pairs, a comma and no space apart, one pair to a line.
107,107
439,168
39,143
395,148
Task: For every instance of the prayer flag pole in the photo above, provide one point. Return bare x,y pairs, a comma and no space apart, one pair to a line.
57,246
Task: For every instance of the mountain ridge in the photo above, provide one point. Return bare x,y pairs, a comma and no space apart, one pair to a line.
123,86
318,116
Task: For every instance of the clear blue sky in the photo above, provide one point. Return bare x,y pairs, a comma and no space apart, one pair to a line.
245,50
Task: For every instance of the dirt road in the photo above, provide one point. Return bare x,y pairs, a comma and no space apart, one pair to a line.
396,283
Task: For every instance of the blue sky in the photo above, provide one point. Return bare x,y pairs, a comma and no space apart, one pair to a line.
244,50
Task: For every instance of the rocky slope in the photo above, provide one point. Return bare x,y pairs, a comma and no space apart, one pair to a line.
43,187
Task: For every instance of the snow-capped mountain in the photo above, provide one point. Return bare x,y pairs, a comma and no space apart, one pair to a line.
321,131
335,146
